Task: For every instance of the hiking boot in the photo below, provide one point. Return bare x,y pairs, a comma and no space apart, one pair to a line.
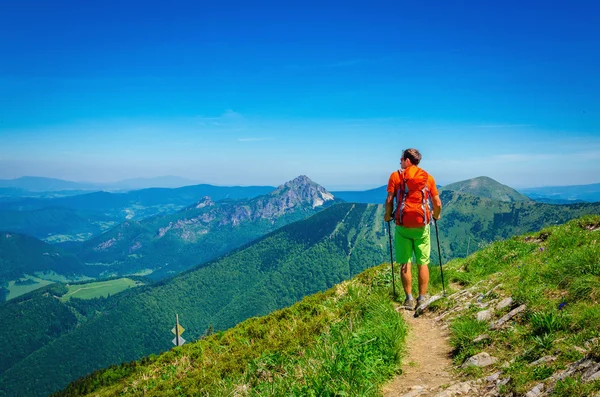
421,304
409,304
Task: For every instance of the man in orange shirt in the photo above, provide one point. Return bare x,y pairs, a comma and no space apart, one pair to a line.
412,188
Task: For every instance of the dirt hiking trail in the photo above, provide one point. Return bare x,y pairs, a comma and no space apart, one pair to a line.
427,364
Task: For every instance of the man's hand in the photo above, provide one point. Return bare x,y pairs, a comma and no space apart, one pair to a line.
387,217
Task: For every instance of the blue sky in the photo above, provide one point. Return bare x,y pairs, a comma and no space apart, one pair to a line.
260,92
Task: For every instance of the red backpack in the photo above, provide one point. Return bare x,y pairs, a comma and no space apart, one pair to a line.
412,198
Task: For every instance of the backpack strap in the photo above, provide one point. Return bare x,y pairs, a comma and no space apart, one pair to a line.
401,194
425,202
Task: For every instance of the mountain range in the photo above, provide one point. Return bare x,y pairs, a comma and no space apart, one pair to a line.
170,244
311,241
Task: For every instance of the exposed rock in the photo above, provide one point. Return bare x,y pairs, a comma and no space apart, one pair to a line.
579,349
494,377
498,324
506,302
481,338
480,360
484,315
543,360
591,343
537,391
587,367
205,202
105,245
503,382
136,246
429,302
458,389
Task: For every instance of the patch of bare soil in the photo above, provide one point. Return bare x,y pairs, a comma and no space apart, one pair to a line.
427,365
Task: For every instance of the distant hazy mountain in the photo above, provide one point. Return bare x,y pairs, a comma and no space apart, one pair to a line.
273,272
371,196
41,184
56,224
168,181
203,231
486,187
572,193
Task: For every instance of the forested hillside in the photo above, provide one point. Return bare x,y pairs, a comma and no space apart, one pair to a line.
20,255
273,272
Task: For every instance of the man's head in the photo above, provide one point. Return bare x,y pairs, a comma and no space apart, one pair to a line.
410,157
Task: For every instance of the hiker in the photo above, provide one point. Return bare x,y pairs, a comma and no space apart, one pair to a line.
412,188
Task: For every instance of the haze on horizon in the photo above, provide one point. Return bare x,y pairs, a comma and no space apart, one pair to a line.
239,94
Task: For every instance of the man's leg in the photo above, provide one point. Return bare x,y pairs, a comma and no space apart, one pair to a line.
406,276
422,253
404,253
423,279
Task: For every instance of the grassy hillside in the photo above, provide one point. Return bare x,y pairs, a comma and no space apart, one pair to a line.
276,271
469,223
486,187
552,278
350,334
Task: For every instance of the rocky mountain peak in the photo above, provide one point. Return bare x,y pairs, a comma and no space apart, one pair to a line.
206,201
302,190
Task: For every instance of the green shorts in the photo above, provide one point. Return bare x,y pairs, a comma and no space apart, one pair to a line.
414,240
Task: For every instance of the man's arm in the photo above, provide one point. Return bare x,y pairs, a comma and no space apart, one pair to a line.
437,206
389,207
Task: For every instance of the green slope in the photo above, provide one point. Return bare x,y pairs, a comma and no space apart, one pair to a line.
555,273
350,333
299,259
486,187
469,223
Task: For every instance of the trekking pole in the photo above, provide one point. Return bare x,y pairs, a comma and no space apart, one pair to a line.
437,235
392,258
